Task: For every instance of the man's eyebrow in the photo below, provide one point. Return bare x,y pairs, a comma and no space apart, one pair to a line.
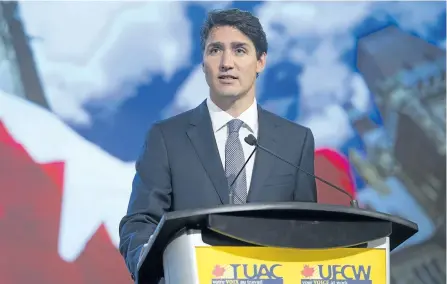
238,44
215,44
235,44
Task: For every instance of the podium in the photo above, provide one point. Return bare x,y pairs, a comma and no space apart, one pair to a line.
262,243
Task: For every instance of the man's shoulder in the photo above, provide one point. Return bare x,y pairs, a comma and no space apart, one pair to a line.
175,121
284,123
180,118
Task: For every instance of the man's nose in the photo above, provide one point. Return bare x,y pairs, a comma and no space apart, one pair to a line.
226,62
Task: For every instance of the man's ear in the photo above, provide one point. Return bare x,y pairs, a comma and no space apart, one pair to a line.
261,63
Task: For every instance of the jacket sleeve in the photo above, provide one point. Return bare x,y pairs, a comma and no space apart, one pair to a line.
149,200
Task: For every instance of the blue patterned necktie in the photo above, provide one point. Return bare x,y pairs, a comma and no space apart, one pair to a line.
234,160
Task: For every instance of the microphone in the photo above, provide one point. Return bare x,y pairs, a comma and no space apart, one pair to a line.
251,140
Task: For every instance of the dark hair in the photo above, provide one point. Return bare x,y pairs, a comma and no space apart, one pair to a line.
244,21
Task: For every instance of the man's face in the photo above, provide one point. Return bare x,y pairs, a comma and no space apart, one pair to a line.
230,63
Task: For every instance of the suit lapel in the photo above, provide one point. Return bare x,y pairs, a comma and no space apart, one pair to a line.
202,138
263,161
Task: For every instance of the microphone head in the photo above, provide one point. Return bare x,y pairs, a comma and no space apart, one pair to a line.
251,140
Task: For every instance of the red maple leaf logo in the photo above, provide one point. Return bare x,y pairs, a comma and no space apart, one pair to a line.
218,271
30,207
307,271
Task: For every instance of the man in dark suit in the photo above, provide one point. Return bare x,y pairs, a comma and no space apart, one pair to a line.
189,160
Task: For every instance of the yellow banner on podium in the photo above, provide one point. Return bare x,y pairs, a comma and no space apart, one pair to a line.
263,265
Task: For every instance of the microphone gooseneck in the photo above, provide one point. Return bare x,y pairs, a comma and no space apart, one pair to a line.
251,140
243,167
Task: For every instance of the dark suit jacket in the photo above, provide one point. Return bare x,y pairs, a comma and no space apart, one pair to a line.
180,168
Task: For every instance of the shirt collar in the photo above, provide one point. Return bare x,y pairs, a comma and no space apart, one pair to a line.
220,118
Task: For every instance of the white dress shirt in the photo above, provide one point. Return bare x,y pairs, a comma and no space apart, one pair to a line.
219,120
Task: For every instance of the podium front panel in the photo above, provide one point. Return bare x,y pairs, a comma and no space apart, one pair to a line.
187,259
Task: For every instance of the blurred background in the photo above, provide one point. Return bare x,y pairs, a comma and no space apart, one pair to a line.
81,83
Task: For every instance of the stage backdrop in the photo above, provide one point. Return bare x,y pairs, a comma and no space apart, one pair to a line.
81,83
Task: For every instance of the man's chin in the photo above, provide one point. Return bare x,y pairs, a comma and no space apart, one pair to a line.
228,93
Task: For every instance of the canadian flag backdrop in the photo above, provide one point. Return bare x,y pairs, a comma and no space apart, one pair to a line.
30,209
81,83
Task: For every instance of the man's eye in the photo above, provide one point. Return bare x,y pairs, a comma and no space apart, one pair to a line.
240,51
214,50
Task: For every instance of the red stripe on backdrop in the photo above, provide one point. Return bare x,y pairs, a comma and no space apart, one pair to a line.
30,202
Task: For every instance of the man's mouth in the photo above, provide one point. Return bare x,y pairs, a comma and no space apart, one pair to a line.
227,77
